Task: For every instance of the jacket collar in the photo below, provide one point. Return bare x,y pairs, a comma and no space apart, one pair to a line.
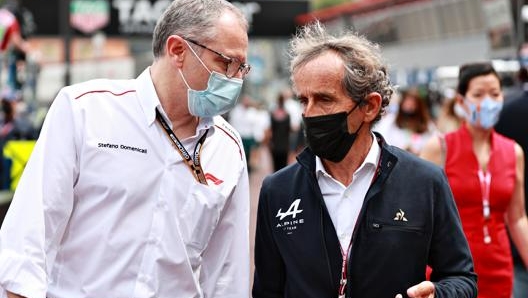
386,163
147,95
149,101
307,158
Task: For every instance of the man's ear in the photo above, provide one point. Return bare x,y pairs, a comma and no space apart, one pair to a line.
176,48
371,106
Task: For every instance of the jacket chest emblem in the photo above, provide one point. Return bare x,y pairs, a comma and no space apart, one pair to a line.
400,216
289,220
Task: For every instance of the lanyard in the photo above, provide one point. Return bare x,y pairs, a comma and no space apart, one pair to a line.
344,268
344,254
485,183
193,162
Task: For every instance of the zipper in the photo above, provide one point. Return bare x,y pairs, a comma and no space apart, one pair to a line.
321,227
389,227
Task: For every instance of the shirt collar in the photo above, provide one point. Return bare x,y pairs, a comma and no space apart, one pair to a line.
205,124
148,97
371,160
149,101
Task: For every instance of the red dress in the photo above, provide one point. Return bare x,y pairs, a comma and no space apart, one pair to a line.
493,261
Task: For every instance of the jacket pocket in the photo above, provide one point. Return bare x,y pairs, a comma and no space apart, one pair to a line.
199,217
378,226
394,244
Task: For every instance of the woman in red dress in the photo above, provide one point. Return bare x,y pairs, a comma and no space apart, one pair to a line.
486,174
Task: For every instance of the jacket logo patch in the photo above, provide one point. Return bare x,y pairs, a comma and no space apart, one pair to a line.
400,216
213,179
290,225
293,210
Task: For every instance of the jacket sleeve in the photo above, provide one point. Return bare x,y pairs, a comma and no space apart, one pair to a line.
226,261
42,204
269,267
450,257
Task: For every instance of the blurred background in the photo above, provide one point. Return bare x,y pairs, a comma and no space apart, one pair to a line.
422,40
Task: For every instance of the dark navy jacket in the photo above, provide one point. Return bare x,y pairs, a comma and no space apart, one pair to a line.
297,252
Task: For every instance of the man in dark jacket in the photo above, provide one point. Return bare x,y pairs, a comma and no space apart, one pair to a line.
354,217
512,123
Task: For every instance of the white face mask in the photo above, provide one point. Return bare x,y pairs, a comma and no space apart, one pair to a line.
219,97
459,111
486,114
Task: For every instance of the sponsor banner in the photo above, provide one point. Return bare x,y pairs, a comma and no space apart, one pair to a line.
89,16
267,18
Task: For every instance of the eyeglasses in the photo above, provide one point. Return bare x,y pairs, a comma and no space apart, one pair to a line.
233,64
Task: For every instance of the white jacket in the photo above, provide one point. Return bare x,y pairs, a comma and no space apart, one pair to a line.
107,208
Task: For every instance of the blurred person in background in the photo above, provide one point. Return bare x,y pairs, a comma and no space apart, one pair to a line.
410,127
11,36
513,123
451,116
139,188
262,123
354,216
17,55
486,174
278,134
14,125
243,117
294,109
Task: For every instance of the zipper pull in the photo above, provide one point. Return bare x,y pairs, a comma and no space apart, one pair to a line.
376,226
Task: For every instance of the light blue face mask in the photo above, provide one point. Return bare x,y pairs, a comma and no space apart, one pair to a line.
219,97
488,114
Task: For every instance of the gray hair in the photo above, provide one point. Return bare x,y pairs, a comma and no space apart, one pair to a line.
365,71
193,19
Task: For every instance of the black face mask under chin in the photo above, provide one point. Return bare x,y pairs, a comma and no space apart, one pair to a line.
328,137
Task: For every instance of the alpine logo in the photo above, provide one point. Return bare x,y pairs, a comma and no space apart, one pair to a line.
286,224
293,210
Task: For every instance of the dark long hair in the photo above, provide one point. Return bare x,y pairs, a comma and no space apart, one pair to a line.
468,72
419,121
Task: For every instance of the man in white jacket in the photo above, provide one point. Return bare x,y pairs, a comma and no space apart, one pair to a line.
137,188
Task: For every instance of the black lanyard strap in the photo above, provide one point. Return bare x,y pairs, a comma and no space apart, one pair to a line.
192,162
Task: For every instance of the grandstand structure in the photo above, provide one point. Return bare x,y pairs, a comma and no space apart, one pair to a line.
419,36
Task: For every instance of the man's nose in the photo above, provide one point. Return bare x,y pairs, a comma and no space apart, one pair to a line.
310,109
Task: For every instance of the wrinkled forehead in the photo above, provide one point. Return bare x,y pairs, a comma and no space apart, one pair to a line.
325,65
